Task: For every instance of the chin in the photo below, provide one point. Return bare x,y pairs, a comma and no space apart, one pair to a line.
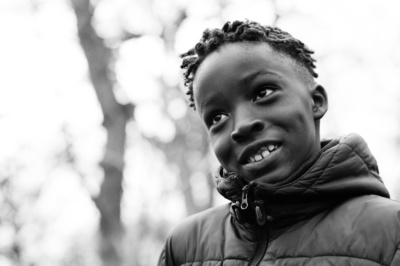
270,178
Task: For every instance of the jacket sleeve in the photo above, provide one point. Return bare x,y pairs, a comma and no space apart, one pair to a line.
396,257
166,258
162,260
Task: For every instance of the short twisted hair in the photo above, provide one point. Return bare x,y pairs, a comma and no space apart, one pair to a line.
245,31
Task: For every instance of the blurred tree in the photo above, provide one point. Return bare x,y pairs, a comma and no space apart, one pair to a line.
9,221
116,116
188,150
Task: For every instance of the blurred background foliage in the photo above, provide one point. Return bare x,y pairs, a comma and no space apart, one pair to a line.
100,156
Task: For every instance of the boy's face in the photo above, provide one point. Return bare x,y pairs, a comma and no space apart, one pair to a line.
258,111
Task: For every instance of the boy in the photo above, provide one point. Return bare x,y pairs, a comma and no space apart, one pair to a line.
295,200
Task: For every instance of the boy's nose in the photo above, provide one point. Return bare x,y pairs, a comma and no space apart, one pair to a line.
246,129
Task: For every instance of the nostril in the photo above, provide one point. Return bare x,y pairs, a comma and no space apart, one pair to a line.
236,136
245,130
258,126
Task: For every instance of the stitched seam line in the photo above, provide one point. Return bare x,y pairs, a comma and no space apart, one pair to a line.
296,257
217,260
329,255
313,184
369,170
394,255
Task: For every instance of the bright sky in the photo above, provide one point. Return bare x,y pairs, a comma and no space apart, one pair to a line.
45,91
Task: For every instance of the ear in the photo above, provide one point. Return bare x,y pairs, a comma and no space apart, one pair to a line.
319,101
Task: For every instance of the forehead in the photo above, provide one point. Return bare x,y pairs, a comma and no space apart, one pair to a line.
237,63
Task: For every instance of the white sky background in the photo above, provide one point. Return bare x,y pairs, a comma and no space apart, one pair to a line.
44,89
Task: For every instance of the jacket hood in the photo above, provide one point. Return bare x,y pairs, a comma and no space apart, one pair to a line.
344,168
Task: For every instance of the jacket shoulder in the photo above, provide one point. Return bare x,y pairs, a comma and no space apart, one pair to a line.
211,237
366,227
192,239
362,229
371,210
371,225
208,221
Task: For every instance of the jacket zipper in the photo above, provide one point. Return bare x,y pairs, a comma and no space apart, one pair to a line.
245,191
261,249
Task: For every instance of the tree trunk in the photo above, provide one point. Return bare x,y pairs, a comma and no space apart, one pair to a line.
116,117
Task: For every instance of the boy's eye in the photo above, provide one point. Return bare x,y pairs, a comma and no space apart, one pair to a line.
262,93
218,118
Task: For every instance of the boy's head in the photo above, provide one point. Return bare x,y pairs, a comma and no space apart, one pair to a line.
253,87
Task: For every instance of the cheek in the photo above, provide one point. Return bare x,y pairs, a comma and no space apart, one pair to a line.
222,150
300,127
298,117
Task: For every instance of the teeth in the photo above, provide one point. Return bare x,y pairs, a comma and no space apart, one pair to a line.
271,147
265,151
258,157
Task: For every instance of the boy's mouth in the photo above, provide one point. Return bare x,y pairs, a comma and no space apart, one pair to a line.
261,153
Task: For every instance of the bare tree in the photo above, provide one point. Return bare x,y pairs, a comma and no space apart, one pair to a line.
115,116
189,150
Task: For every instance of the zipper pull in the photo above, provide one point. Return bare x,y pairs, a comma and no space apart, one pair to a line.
261,216
244,204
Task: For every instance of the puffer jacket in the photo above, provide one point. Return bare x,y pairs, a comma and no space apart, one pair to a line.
333,211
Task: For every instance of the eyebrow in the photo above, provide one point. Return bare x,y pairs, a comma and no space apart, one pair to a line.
211,99
255,74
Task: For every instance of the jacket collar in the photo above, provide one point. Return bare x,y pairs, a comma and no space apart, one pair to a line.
344,168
